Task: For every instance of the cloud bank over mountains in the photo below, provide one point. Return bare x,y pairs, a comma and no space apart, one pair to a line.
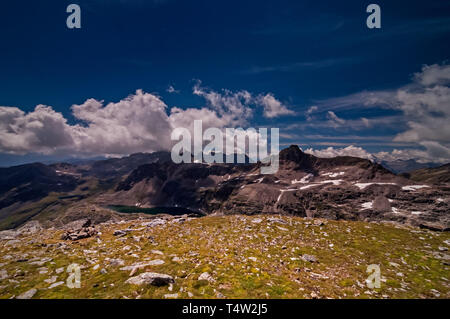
424,107
356,151
142,122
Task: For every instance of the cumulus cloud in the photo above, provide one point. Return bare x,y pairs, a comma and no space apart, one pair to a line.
273,107
142,122
136,123
42,130
234,106
424,106
431,153
347,151
433,74
171,89
241,103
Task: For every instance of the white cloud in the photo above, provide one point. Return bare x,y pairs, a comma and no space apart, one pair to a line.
347,151
424,105
42,130
432,153
310,111
171,89
433,74
142,122
240,103
136,123
273,107
236,106
334,119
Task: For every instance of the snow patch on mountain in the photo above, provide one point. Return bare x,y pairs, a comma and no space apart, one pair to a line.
331,174
367,205
364,185
413,187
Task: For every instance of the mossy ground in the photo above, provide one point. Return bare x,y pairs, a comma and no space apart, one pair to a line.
246,259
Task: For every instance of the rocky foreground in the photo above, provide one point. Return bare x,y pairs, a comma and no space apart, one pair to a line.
236,256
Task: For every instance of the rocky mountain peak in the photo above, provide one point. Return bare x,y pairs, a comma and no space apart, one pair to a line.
292,153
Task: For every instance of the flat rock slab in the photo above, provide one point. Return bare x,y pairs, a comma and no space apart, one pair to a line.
151,278
155,262
310,258
28,294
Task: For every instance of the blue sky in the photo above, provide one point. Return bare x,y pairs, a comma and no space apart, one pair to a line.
309,55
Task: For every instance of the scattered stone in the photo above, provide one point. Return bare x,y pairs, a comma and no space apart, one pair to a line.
41,262
51,279
171,296
43,270
22,260
3,274
393,264
276,220
310,258
8,234
206,276
30,228
154,222
318,222
151,278
85,231
27,295
155,262
318,276
436,293
13,242
256,220
381,204
119,233
56,284
115,262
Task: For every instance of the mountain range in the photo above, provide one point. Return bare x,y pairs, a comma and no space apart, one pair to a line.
347,188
